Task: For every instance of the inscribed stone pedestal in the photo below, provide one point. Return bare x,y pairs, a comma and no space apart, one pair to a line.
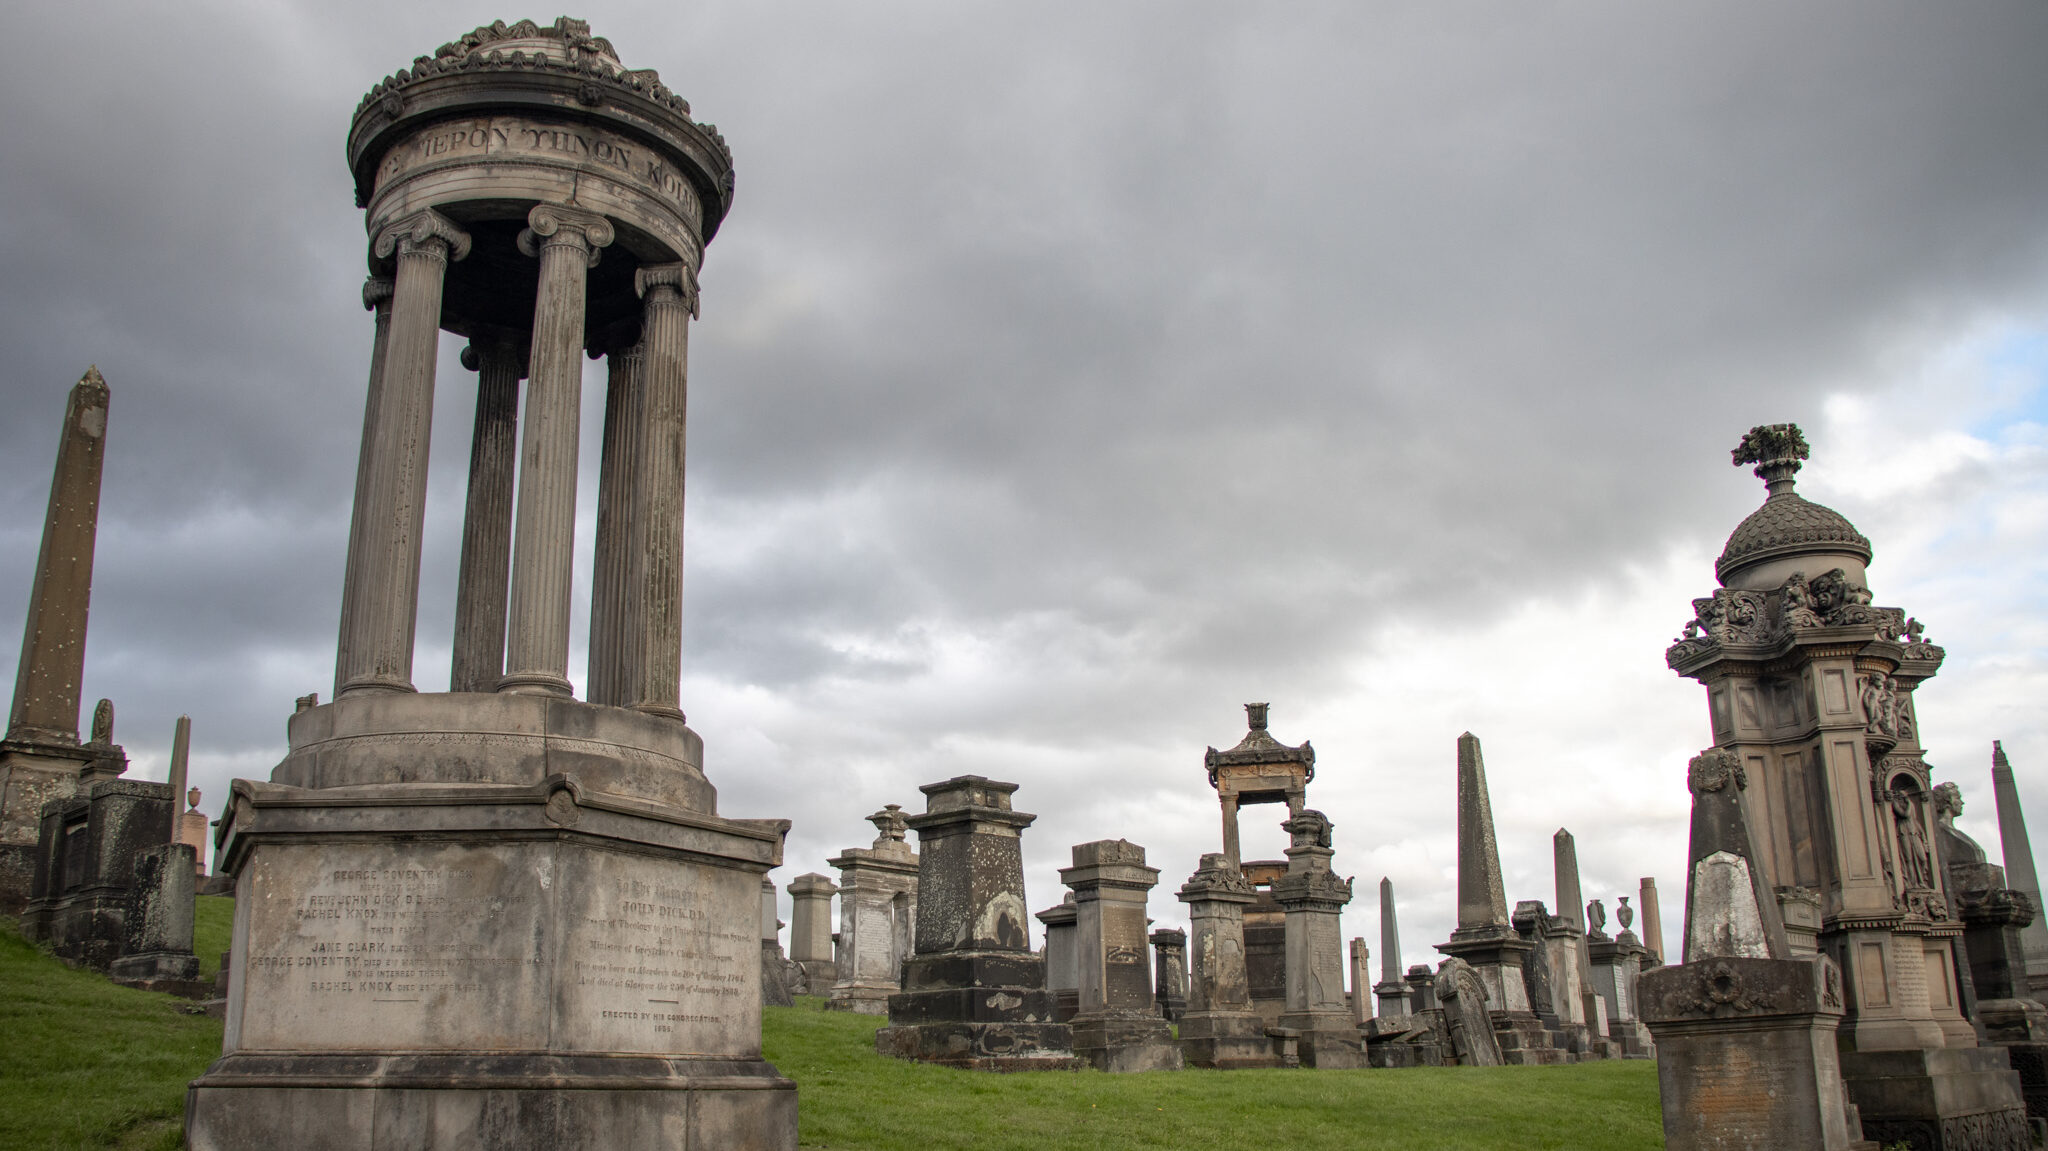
40,759
973,992
1220,1029
1117,1026
1313,897
2019,866
1812,691
877,907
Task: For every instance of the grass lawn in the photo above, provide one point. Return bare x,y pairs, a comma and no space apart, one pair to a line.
87,1064
852,1098
213,921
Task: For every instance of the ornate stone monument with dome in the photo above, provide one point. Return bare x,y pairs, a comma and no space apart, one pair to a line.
1811,698
500,916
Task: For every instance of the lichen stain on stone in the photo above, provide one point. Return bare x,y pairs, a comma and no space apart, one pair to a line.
1002,921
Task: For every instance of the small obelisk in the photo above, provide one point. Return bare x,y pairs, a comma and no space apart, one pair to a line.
181,749
1571,904
1392,990
41,759
2019,867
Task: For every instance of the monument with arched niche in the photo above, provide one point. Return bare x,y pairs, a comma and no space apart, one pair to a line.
499,915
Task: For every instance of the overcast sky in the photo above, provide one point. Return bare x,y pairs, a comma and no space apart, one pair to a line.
1071,374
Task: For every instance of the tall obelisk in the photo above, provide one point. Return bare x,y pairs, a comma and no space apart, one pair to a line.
2019,867
40,758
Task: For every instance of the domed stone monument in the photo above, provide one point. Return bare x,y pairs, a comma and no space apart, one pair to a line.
500,916
1823,785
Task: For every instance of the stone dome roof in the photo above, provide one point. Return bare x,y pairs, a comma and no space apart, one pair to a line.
1789,523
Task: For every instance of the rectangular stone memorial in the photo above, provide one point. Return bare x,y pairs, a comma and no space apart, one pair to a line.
877,907
1117,1025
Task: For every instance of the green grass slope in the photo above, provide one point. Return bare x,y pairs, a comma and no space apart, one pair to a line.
88,1064
852,1099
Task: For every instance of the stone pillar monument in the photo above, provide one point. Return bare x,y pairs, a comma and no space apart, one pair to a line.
40,758
1361,981
1220,1029
1653,923
810,931
877,906
1392,990
1811,689
193,828
1590,1009
1117,1026
1170,963
775,973
1313,897
500,916
973,992
2019,867
1062,959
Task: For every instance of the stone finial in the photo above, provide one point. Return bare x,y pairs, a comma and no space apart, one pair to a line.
1776,450
890,823
103,723
1625,913
1309,829
1255,715
192,798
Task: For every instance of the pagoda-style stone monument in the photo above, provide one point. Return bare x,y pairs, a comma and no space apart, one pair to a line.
1220,1029
41,759
1116,1024
1261,769
1810,690
502,916
2018,853
877,907
973,992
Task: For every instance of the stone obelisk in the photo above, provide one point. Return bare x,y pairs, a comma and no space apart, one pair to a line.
1392,990
2019,867
1571,905
1484,937
40,759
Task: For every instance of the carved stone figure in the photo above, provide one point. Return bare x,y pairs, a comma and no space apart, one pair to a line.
1596,920
1798,603
1915,859
103,723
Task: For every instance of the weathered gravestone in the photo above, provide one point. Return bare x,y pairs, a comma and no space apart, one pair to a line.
877,908
810,931
973,992
1745,1035
1116,1026
1062,963
500,916
1170,965
1220,1029
1468,1021
775,966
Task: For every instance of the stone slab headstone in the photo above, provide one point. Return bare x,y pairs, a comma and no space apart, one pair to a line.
1464,1000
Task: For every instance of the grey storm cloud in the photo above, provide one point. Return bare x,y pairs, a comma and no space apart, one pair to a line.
1151,350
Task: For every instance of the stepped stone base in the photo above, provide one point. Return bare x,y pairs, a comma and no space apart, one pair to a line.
1226,1041
1946,1099
1116,1043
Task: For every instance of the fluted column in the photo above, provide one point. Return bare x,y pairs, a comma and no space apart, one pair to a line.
486,571
614,618
376,299
543,546
384,565
670,292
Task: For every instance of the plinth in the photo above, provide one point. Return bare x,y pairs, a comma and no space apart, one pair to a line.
492,921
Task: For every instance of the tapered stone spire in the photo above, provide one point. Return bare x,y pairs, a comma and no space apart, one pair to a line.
1482,901
1571,903
46,691
2019,866
1390,935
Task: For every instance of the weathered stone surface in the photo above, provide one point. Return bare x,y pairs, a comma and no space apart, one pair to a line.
1117,1026
1392,990
40,760
1746,1054
776,976
1170,965
1062,963
810,931
1653,922
157,936
2019,866
1220,1029
973,992
877,908
1482,903
1469,1022
1361,986
1260,769
99,891
1313,897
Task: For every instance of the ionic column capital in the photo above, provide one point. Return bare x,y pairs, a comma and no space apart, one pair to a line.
377,290
426,232
552,225
657,283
